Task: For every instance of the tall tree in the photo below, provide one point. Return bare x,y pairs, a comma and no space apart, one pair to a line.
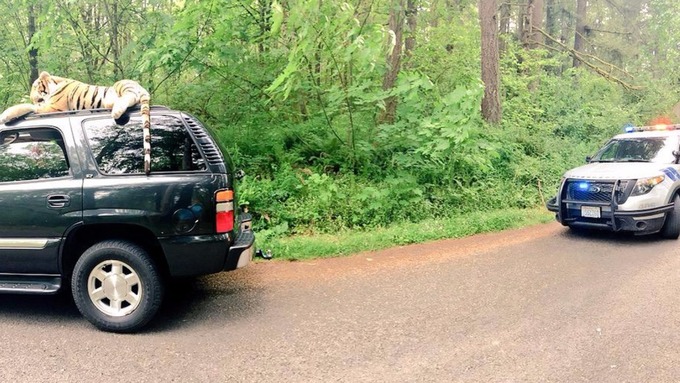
396,28
524,22
114,20
504,28
491,103
536,22
580,29
32,51
412,22
551,16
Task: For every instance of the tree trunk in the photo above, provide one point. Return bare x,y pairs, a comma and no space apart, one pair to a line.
115,46
412,22
32,52
114,21
536,21
264,22
396,25
551,19
523,22
504,28
491,103
505,17
580,29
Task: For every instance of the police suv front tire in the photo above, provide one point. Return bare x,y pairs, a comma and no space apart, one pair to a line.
671,228
117,286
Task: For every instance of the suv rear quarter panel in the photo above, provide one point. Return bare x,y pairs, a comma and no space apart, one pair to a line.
165,204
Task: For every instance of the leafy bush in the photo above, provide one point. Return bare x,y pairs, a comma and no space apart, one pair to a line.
298,104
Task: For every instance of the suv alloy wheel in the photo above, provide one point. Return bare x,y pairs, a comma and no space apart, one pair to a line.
117,286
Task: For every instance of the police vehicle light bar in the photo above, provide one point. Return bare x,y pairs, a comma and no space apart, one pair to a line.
650,128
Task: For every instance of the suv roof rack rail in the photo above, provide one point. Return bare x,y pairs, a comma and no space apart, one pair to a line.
32,116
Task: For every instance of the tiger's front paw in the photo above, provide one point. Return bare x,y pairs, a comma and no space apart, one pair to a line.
119,115
8,115
16,111
117,111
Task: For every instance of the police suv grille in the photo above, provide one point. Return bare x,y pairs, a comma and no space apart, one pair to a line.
211,152
593,192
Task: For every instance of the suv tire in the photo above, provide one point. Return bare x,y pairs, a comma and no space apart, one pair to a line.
117,286
671,228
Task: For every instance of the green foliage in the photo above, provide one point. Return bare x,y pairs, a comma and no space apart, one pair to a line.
294,90
301,118
351,242
300,200
546,135
448,51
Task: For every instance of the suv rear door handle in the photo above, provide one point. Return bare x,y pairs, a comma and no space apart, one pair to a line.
58,200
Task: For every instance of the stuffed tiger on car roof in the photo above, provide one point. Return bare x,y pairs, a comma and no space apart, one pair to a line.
58,94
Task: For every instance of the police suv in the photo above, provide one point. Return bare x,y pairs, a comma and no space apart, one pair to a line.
632,184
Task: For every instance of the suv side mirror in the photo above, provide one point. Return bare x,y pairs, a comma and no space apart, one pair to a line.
588,158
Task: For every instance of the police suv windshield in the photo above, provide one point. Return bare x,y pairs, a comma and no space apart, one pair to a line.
639,149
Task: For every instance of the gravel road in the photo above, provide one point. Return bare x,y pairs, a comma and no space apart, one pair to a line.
539,304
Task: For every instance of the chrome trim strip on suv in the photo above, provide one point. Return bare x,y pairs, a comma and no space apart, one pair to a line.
23,243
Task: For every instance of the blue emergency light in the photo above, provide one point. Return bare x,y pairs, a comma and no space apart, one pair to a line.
629,128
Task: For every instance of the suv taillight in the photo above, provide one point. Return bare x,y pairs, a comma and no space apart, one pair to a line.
224,210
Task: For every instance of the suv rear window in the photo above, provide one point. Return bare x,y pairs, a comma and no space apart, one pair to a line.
32,154
119,149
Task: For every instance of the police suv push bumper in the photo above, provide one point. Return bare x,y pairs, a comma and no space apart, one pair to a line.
608,204
594,202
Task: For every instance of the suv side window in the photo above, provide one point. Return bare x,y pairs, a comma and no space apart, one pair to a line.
119,149
32,154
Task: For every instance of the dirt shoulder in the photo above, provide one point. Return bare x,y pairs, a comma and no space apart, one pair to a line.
281,271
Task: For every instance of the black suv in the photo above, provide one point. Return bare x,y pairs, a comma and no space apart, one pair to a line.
77,206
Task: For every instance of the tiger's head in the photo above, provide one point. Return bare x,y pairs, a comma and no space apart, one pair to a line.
42,88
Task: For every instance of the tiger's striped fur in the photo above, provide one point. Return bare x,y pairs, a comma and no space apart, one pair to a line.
58,94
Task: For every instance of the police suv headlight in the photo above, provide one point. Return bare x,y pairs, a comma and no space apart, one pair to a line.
645,185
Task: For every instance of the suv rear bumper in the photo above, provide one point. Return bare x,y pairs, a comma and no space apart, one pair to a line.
209,254
241,252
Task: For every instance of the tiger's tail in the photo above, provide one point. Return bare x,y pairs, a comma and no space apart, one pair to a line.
144,100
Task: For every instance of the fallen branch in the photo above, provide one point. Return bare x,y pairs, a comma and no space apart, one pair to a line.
582,58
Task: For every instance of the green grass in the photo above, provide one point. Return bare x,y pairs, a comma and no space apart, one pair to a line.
354,241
